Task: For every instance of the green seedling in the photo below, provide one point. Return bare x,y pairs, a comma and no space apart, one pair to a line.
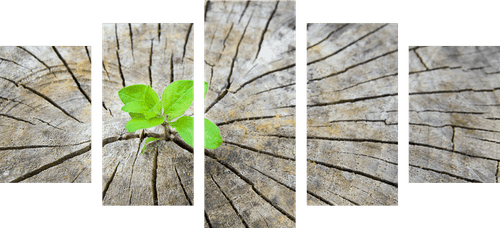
147,110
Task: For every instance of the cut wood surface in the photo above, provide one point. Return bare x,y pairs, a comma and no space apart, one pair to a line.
45,114
250,68
352,110
454,114
155,55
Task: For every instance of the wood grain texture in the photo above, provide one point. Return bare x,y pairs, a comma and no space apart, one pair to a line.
454,114
45,109
156,55
250,68
352,108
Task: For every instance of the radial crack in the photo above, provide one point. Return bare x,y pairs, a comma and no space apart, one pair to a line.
260,151
182,186
50,101
329,34
131,39
248,118
394,184
352,100
154,173
262,75
39,60
265,30
15,118
352,66
108,183
343,48
187,39
230,202
88,54
52,164
445,173
71,73
452,151
421,60
150,64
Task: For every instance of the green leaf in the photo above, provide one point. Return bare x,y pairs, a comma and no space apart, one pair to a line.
135,107
148,140
177,98
142,123
185,127
134,115
140,99
206,89
154,112
212,135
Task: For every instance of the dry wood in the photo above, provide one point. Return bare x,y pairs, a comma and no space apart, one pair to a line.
352,108
250,67
45,114
454,114
156,55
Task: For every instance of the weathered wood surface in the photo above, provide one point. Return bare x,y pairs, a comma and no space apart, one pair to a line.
156,55
45,114
454,114
250,67
352,114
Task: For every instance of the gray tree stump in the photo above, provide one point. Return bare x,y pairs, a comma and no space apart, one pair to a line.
352,114
454,114
156,55
250,68
45,114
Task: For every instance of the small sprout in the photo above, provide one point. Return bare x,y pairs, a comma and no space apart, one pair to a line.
147,110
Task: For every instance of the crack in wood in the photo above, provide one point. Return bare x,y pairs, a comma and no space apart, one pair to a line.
88,54
394,184
131,35
228,83
390,162
244,10
17,119
78,174
172,67
186,42
11,61
105,70
207,7
441,111
108,183
72,75
350,44
49,124
262,75
274,88
50,101
39,60
141,138
421,60
154,174
321,198
265,30
109,110
150,64
455,91
249,118
274,179
224,43
353,100
260,151
329,34
182,186
207,219
40,146
357,84
352,66
451,125
230,202
452,151
433,69
445,173
52,164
